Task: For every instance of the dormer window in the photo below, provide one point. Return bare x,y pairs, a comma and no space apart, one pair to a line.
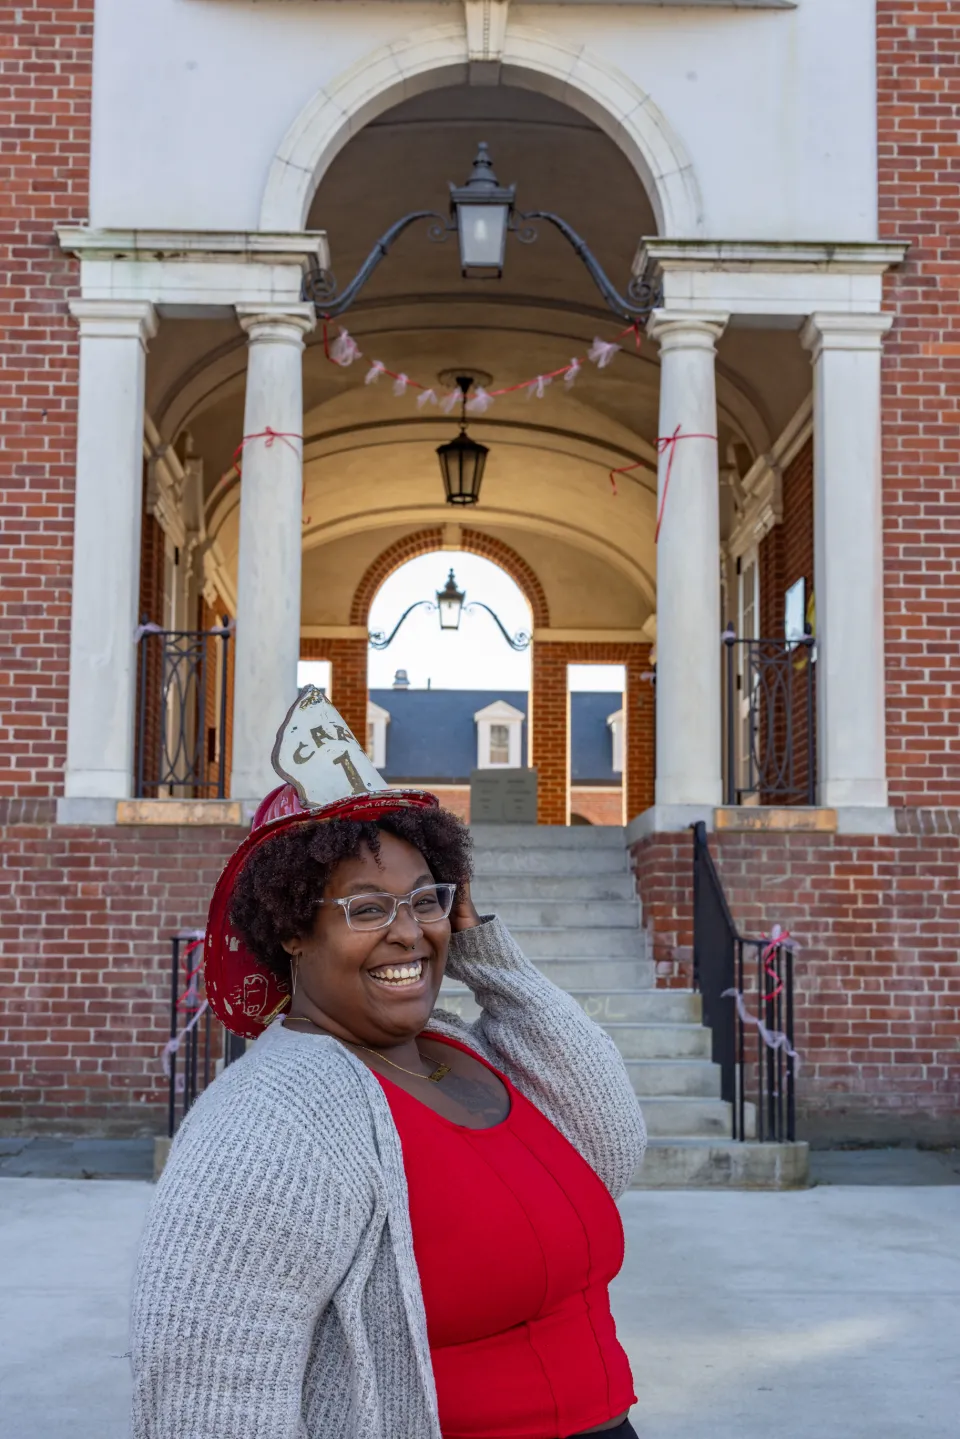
499,736
377,720
615,726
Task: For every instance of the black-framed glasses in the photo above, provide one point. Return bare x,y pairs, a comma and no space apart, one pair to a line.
428,904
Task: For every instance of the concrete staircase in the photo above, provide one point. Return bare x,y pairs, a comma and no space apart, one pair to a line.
568,896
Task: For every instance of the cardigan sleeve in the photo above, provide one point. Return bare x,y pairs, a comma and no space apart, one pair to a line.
251,1232
541,1038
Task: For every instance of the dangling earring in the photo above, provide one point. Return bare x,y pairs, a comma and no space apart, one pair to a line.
294,971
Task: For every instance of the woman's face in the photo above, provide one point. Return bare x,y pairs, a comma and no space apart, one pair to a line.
347,979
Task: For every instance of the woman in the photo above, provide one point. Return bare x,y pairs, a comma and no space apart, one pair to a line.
383,1222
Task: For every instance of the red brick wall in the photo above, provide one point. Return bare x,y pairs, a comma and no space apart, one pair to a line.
919,95
877,975
46,53
550,714
84,968
595,805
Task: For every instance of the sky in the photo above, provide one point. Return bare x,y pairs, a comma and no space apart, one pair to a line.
474,657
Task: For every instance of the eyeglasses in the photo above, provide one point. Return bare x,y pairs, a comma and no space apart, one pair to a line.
428,905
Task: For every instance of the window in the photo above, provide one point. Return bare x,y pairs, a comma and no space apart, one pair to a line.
615,725
499,736
377,720
499,744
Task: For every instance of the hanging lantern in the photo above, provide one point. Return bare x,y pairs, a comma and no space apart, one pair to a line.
450,604
462,460
481,210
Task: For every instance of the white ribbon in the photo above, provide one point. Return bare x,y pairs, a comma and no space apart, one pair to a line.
480,403
400,385
538,387
427,397
146,629
772,1038
172,1045
602,352
573,372
376,369
345,350
450,401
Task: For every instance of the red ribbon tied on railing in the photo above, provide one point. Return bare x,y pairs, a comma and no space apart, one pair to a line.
270,437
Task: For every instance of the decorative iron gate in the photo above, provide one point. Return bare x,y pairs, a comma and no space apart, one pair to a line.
771,720
182,712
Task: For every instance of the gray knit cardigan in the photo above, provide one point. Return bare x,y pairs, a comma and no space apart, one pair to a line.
276,1293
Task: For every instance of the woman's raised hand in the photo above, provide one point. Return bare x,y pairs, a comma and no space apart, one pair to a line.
464,913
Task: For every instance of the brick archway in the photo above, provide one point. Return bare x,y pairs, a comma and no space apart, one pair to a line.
475,542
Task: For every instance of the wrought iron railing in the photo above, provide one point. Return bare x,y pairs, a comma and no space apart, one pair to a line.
199,1046
182,712
746,988
771,720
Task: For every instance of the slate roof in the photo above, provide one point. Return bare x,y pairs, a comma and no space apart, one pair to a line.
432,736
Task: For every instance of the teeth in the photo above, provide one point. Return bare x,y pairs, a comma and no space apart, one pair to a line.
399,974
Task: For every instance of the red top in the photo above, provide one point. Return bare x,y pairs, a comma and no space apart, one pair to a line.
516,1241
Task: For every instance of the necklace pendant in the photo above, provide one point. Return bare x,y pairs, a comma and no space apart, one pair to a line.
439,1073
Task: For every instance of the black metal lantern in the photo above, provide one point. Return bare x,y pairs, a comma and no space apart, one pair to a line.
481,210
450,604
462,460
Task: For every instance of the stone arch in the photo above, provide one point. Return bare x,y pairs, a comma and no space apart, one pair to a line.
475,542
532,59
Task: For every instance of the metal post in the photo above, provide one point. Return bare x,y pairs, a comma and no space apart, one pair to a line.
791,1092
730,640
142,711
172,1103
811,723
740,1127
222,740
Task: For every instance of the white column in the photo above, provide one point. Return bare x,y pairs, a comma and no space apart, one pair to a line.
848,557
688,563
106,555
268,574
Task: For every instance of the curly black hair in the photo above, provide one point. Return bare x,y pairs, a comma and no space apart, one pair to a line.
276,893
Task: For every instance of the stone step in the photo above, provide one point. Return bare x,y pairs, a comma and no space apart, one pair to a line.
548,836
694,1116
560,942
524,860
601,914
611,1006
660,1041
674,1078
495,888
576,972
678,1162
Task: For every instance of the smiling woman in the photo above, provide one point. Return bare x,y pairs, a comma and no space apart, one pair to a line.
303,1270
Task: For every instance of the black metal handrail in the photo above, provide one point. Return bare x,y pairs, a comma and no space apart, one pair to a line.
182,712
744,984
199,1045
777,680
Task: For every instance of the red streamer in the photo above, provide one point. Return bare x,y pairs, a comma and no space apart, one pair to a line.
269,436
668,445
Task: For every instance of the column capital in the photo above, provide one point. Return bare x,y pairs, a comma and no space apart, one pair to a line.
277,323
115,319
826,331
687,329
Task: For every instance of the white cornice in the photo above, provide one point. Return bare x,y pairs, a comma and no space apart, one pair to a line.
212,245
770,255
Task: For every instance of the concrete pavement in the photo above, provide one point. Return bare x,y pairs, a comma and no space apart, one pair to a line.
826,1314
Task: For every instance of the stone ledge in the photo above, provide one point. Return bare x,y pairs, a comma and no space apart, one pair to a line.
754,819
180,811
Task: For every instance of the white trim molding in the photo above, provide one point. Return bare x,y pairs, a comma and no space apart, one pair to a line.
377,720
501,715
440,55
762,486
615,726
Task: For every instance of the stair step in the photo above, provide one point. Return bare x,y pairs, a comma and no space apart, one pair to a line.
548,836
660,1041
600,914
524,860
679,1162
561,942
693,1115
674,1079
497,887
595,973
606,1006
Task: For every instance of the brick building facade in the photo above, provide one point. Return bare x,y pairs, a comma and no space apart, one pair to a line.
87,907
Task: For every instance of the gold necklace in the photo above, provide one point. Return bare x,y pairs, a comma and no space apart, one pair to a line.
441,1071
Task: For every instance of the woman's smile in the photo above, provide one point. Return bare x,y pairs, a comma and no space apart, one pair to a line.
408,975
